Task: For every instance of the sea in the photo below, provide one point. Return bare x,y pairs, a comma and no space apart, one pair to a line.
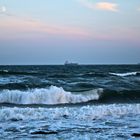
70,102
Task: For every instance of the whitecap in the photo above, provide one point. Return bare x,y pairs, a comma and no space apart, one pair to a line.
124,74
50,96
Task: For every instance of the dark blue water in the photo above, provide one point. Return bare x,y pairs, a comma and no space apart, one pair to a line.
63,102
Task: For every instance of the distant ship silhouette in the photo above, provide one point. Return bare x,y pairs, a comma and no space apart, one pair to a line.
67,63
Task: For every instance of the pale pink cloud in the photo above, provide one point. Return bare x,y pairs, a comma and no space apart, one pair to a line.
18,27
108,6
23,28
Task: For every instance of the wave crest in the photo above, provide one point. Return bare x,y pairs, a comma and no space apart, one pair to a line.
125,74
53,95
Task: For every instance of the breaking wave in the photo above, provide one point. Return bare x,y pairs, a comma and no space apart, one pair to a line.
53,95
57,95
125,74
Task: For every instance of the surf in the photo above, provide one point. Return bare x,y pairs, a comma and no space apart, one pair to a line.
49,96
81,113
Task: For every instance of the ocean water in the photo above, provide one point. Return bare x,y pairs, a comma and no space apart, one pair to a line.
82,102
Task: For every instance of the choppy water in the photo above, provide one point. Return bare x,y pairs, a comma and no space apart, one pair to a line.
69,102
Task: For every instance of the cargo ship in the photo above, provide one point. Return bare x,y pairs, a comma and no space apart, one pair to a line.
67,63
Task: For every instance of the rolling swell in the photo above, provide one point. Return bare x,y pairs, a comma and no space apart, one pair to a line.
23,86
124,96
94,75
60,76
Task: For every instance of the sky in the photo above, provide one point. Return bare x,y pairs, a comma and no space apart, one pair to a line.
82,31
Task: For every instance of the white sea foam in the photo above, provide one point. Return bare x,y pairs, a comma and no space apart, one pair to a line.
53,95
76,113
124,74
4,71
11,79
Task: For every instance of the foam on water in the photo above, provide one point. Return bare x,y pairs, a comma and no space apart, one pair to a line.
75,113
11,79
125,74
53,95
